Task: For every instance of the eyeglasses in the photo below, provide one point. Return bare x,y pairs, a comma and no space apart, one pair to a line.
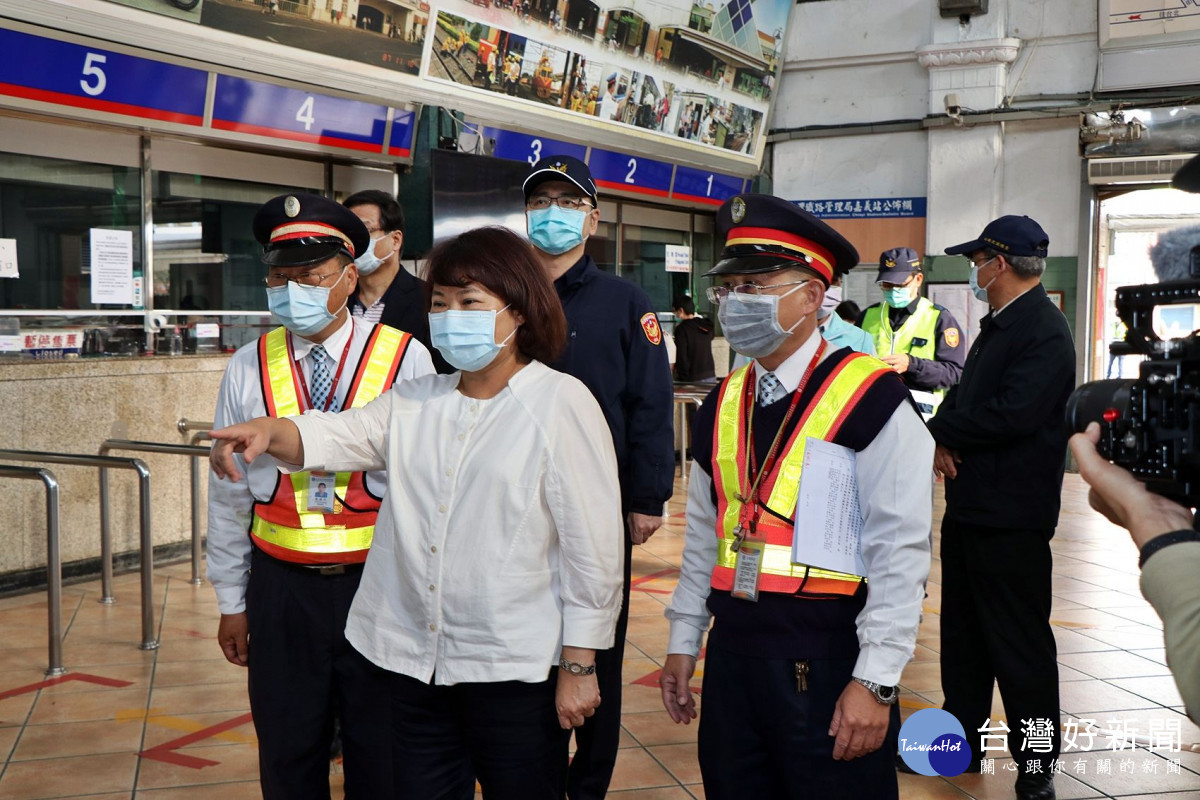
567,201
885,285
304,278
718,293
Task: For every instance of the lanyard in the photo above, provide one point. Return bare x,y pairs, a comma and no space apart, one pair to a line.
308,403
749,512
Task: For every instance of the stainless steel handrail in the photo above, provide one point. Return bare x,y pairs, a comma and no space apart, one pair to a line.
184,425
53,560
149,642
194,453
682,400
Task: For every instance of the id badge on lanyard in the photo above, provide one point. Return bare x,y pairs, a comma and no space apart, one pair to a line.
750,547
321,487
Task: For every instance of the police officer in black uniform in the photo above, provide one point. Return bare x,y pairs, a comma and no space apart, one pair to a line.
614,345
918,338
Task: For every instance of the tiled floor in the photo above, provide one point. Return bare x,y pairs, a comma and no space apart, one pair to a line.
174,723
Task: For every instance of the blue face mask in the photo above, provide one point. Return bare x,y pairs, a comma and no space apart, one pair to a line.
555,230
897,297
467,339
303,310
980,292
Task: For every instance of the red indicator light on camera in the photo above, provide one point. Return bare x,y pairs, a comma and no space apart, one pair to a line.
1111,415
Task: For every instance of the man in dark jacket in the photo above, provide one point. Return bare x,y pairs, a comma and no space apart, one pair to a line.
387,292
1001,444
693,344
614,345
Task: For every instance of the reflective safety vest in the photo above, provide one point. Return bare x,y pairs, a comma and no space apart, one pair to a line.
283,527
831,405
921,324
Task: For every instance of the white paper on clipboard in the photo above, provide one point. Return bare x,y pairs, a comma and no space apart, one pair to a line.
828,532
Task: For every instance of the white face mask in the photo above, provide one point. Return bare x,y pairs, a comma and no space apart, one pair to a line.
973,280
833,298
751,322
368,262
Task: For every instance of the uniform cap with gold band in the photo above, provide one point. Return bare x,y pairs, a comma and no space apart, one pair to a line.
764,233
299,229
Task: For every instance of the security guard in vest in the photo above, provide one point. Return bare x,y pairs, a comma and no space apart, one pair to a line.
285,559
914,336
802,661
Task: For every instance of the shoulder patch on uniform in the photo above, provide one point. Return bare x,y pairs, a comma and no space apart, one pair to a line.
651,329
951,337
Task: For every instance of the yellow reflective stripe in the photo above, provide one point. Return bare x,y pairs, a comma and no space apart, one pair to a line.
300,485
327,540
832,402
728,419
777,560
279,374
379,364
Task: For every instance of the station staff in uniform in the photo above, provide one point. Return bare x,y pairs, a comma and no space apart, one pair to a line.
913,335
802,662
284,558
615,346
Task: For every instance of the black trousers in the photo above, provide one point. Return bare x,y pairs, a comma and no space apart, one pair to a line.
597,741
506,734
761,738
301,669
996,631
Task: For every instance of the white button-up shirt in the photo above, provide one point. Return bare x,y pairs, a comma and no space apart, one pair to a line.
241,400
500,539
895,493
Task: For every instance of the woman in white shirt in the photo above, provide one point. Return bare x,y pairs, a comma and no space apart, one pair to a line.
496,568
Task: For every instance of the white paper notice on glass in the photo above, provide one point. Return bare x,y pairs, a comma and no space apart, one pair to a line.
8,258
678,258
828,518
112,266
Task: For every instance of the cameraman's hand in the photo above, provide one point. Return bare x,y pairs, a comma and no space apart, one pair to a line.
1122,498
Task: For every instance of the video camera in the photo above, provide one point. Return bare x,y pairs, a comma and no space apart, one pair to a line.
1151,425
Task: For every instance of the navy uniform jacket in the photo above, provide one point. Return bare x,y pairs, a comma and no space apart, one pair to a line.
944,370
406,308
629,375
1006,418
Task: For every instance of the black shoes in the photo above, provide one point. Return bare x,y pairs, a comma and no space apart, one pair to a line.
1035,787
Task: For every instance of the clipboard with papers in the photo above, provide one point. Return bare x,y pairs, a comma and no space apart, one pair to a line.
829,522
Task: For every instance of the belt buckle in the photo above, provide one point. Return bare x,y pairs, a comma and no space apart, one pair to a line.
333,569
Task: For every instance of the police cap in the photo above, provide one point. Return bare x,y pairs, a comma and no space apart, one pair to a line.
764,233
560,168
1010,235
299,229
897,264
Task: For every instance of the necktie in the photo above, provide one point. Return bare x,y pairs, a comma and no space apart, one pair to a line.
322,380
769,389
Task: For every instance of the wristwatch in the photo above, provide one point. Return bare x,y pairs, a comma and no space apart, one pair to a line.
575,668
884,695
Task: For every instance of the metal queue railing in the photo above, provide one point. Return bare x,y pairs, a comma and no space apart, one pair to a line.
53,560
146,540
195,453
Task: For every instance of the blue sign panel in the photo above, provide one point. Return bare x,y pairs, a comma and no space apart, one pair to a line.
526,147
627,173
49,71
872,208
253,107
400,142
699,186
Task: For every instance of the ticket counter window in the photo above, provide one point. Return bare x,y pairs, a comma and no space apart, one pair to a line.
205,254
644,258
51,207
